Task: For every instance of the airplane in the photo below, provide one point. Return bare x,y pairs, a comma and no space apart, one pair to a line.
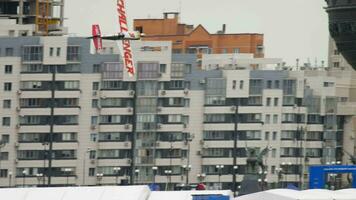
124,35
97,37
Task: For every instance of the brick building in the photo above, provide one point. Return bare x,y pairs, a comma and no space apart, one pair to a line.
190,39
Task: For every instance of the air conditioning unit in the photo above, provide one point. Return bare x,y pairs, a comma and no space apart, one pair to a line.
159,109
103,97
19,92
233,108
129,109
199,153
202,81
202,142
160,74
92,161
127,126
132,93
163,92
186,91
16,161
18,126
185,125
18,109
157,144
126,144
93,127
95,93
128,161
17,145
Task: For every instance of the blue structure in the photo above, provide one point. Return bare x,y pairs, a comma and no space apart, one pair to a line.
210,197
318,174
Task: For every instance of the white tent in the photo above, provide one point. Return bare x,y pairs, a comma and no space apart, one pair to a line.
186,195
286,194
77,193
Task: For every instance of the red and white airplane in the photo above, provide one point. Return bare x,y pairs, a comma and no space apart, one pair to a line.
125,35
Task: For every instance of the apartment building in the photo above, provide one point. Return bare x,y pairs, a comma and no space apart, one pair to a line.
175,123
197,40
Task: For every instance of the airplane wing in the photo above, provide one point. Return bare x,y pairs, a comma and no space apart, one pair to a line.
127,51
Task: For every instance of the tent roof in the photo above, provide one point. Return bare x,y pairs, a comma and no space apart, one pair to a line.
316,194
75,193
185,195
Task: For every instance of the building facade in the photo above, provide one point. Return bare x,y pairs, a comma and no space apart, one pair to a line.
173,124
47,17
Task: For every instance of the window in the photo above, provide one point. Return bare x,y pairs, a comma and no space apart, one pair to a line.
255,86
234,84
94,103
177,70
93,137
274,153
269,84
58,51
5,138
51,50
241,85
92,154
7,86
274,136
148,70
328,84
32,53
6,121
9,52
71,85
275,101
162,68
73,53
176,85
174,118
91,172
4,156
188,69
6,103
276,84
266,135
268,119
8,69
95,85
268,101
224,51
3,173
94,120
236,50
275,119
96,68
255,100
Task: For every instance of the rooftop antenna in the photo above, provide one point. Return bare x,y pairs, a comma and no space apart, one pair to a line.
297,60
316,62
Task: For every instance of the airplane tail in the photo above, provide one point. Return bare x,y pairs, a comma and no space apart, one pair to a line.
98,41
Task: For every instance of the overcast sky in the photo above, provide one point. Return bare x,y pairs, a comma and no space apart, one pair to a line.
293,28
